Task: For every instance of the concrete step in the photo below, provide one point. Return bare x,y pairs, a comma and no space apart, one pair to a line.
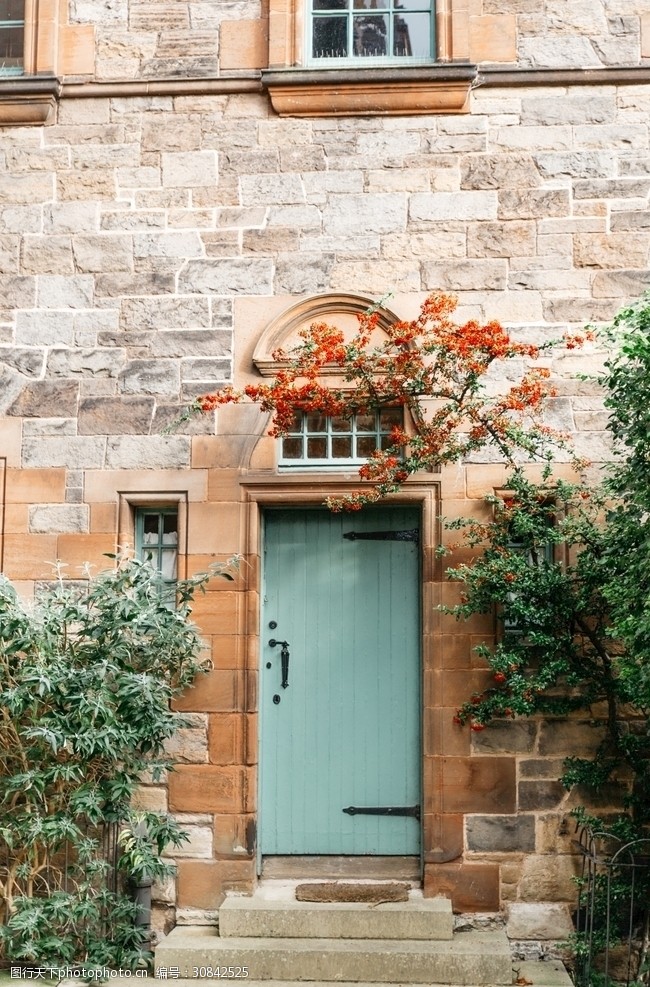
550,973
470,958
418,918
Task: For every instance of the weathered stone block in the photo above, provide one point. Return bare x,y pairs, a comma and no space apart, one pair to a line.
186,244
501,834
506,737
148,452
17,291
82,363
570,737
45,398
151,377
471,887
50,518
71,217
498,171
549,877
188,746
57,291
101,253
501,239
611,250
228,276
578,109
538,795
467,275
198,369
533,203
557,53
204,884
353,215
466,205
310,276
267,190
189,169
28,362
538,921
47,255
110,416
478,784
75,452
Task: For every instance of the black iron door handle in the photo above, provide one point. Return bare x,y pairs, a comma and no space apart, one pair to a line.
284,659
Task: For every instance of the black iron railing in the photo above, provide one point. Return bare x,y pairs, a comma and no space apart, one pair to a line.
613,914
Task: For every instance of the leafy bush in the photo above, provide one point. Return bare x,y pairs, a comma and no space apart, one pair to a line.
86,678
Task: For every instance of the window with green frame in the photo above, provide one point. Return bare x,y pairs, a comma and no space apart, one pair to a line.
12,36
545,555
363,31
323,441
156,543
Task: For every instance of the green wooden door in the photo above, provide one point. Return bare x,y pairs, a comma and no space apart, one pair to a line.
345,732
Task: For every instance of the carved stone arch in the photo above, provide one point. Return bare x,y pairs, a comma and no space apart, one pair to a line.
341,310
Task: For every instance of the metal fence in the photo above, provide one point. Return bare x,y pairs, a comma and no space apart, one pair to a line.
613,914
40,874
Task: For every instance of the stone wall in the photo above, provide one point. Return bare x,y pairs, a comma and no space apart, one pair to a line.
146,242
141,39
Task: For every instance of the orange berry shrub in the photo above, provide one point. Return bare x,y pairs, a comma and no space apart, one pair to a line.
434,367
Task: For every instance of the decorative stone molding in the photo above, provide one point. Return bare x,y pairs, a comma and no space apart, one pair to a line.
368,92
28,100
282,331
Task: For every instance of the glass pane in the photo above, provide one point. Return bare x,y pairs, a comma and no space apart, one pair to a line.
330,37
170,529
370,36
341,424
341,448
366,423
11,47
366,445
292,448
316,423
370,4
316,448
150,529
296,424
385,442
389,417
168,563
150,558
330,5
412,35
12,10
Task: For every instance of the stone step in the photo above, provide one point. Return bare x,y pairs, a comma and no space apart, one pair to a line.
550,973
470,958
418,918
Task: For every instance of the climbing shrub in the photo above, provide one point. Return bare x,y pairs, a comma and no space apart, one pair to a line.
87,674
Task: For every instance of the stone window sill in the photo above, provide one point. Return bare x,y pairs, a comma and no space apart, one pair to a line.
28,100
366,92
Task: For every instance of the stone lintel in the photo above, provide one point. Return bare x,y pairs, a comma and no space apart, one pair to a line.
369,92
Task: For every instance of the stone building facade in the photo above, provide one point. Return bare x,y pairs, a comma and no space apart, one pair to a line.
180,189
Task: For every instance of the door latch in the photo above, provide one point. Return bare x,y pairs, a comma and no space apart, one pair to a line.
284,659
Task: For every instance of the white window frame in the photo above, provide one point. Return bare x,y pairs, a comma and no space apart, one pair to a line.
368,61
381,436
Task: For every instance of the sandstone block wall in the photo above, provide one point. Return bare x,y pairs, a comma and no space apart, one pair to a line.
147,239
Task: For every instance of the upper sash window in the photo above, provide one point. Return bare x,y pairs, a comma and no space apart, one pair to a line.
370,31
12,37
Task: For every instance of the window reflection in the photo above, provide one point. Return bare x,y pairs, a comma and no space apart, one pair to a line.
371,29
